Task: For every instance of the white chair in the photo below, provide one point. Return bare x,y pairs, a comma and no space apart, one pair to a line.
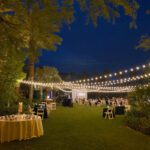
109,113
53,106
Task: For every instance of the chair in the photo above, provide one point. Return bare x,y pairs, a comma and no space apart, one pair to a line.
40,112
109,113
53,106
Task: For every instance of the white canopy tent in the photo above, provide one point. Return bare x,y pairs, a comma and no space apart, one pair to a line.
79,94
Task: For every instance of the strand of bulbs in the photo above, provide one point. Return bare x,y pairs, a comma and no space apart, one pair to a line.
111,75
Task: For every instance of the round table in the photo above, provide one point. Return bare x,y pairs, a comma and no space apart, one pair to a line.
21,129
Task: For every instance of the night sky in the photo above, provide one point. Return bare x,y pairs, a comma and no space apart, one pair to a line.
107,47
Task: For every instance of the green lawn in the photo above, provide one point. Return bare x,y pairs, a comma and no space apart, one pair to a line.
83,128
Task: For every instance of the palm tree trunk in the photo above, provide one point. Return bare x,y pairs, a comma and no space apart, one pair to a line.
31,77
46,92
41,93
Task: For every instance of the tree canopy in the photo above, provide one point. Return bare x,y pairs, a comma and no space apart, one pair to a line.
47,75
109,10
144,42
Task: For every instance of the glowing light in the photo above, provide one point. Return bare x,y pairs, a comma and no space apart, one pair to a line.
105,76
131,69
110,75
144,66
96,78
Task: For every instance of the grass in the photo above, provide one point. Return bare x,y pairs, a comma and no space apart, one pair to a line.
83,128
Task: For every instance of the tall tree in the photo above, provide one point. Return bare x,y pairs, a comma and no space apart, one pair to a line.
47,75
11,55
41,21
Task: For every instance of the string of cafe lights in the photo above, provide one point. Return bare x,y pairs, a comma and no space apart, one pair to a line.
121,81
115,74
100,91
63,84
67,85
103,86
124,89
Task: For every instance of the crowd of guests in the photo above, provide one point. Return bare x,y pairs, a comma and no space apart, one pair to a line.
102,101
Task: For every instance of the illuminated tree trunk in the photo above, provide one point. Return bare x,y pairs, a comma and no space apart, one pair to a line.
41,93
31,77
46,92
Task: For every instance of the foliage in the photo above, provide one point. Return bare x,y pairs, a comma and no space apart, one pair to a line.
139,119
40,27
109,10
139,116
10,72
140,96
144,43
47,75
11,59
9,110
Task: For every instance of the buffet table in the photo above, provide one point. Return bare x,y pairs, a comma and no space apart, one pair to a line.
20,127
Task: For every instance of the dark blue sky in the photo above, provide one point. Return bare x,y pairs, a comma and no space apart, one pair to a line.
107,47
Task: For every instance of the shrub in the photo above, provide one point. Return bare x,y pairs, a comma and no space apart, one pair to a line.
139,123
9,110
139,116
132,119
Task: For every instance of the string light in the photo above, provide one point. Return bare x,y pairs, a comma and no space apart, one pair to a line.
68,85
138,68
92,84
120,81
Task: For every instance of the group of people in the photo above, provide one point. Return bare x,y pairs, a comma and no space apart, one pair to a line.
107,102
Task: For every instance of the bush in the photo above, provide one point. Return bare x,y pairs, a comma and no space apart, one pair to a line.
9,110
139,119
